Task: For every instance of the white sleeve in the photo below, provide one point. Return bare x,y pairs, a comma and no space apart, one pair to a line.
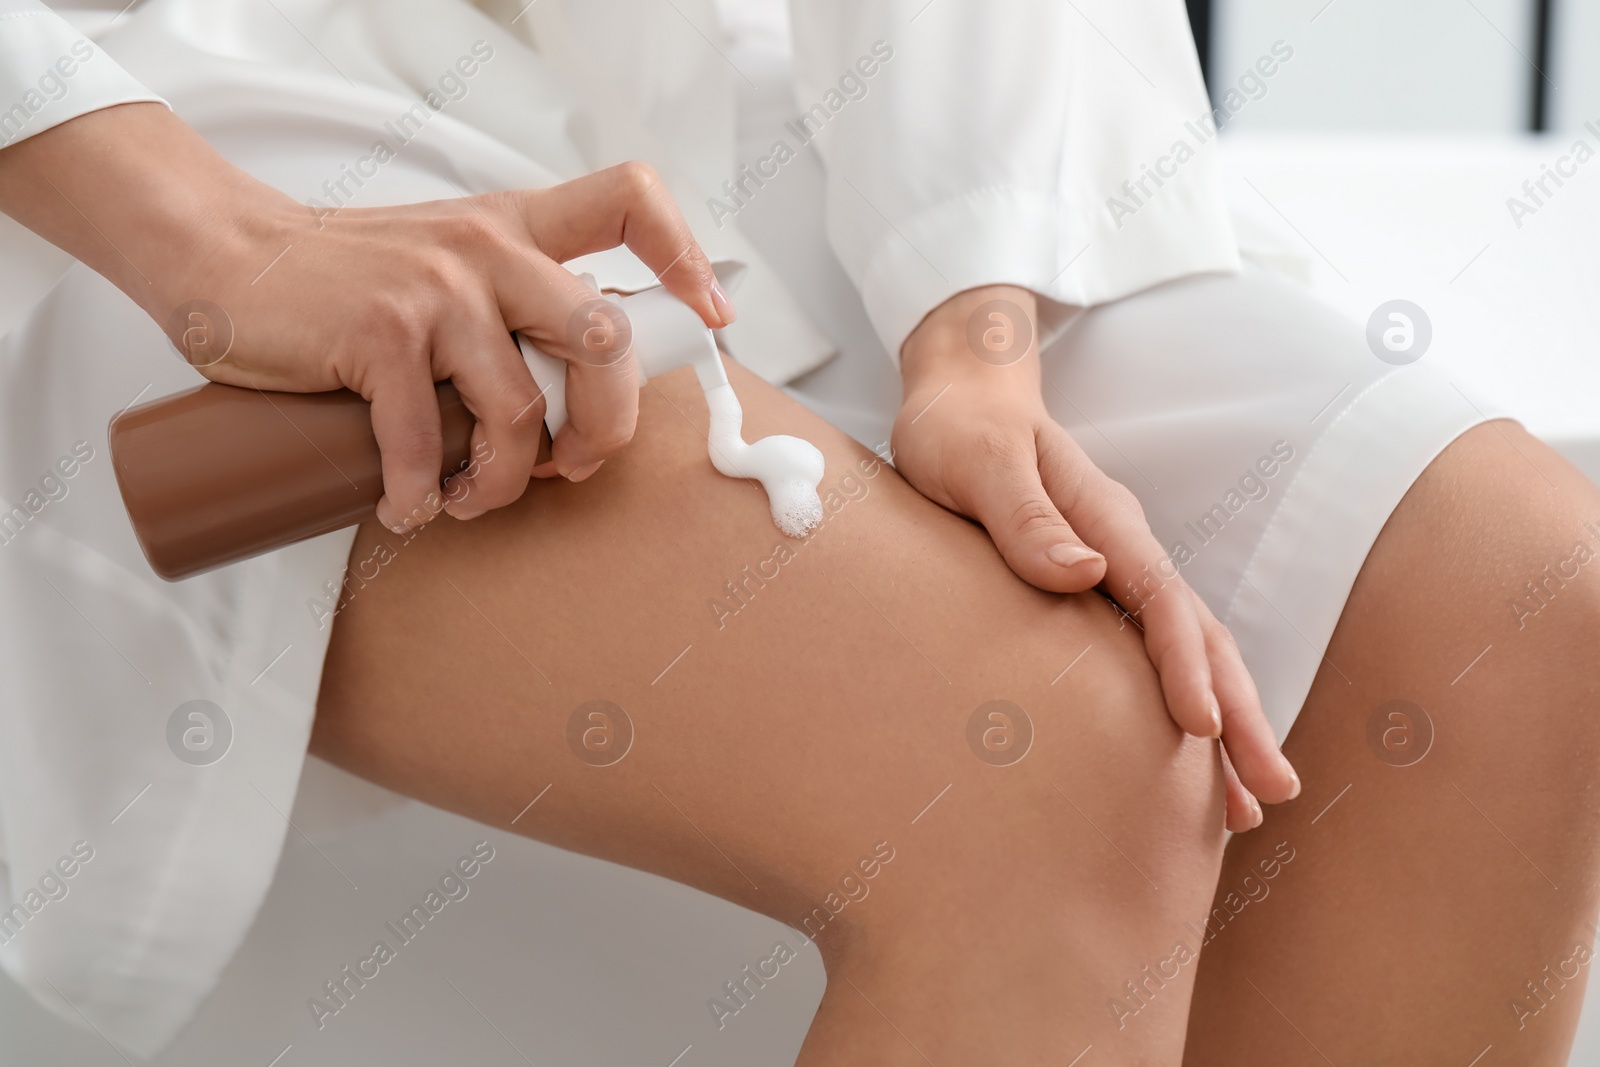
49,73
1059,146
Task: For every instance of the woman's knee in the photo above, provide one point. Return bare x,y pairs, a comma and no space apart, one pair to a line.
1084,808
1059,880
1152,784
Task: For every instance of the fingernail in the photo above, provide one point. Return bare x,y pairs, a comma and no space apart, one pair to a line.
583,472
1069,552
466,516
1295,778
721,304
1216,715
1255,806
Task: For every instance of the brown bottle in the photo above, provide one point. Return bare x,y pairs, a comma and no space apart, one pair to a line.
218,473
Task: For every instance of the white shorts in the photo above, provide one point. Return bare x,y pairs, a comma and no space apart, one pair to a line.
1267,444
1265,441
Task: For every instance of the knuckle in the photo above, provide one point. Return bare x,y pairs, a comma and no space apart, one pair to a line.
690,268
418,446
1120,498
468,231
399,327
599,332
1129,501
514,409
441,275
638,179
1033,515
522,409
699,268
1224,637
611,438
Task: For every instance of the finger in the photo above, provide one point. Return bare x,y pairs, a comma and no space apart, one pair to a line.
1247,736
405,421
1140,576
1172,635
1242,811
1000,487
567,320
628,205
485,365
602,412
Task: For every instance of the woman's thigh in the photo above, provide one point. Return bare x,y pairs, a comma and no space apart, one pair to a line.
1441,885
672,684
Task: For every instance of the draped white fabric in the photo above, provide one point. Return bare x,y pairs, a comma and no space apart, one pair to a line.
965,144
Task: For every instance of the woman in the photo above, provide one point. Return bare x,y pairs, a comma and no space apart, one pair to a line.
1047,899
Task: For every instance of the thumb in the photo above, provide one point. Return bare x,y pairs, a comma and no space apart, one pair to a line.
1009,498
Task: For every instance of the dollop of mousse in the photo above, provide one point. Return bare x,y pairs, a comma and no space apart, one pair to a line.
788,468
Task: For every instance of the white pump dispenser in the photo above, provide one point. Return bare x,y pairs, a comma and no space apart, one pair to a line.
668,334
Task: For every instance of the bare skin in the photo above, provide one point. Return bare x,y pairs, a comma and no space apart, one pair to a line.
1063,525
386,301
783,748
1427,911
819,721
1425,898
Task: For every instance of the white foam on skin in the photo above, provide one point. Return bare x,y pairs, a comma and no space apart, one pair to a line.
788,468
668,335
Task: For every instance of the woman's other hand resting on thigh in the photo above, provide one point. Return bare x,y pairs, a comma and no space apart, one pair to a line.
973,435
384,301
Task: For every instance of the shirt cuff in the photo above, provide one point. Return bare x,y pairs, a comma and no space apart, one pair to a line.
51,73
1031,239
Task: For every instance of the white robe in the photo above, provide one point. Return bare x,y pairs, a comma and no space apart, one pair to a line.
966,144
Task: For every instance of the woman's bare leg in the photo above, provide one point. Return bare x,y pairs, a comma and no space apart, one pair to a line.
783,750
1434,909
